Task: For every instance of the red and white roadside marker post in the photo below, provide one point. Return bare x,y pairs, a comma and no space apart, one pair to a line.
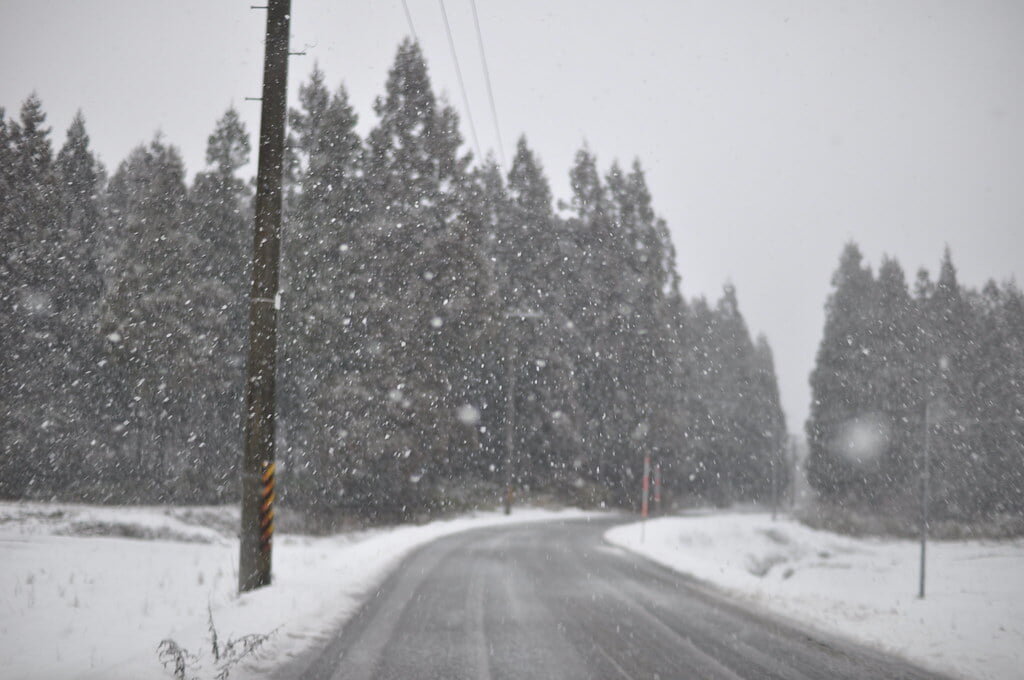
647,491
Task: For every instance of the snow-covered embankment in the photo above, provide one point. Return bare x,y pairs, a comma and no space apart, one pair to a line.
971,623
89,592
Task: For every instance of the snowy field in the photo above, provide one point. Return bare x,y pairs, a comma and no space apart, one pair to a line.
90,592
971,624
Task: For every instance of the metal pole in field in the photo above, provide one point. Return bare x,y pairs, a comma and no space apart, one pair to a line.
258,463
924,494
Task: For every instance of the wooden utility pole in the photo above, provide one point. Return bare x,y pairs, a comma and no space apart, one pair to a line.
258,463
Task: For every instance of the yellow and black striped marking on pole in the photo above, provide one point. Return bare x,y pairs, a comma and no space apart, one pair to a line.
267,508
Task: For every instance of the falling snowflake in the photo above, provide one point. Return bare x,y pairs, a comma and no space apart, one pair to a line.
468,414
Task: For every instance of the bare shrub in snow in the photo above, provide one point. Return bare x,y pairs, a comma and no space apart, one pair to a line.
225,655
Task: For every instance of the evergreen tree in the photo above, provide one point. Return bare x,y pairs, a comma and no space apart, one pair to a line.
34,446
51,286
418,295
890,366
842,394
895,335
531,253
8,278
323,346
673,417
146,314
735,428
1000,387
405,275
741,456
79,288
7,178
528,245
609,432
491,208
303,284
993,435
646,281
699,468
221,203
80,178
946,356
769,439
414,166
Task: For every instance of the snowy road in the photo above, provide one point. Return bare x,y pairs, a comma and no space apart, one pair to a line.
552,600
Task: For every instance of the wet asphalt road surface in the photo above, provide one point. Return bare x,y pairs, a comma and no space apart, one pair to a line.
552,600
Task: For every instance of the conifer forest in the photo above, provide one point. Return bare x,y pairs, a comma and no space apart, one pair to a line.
427,295
937,369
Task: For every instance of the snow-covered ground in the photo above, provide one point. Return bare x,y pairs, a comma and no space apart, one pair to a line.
971,623
90,592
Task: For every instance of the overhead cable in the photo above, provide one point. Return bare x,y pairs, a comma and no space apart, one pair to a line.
408,17
462,85
487,80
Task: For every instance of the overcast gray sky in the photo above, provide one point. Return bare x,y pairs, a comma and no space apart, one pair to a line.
771,132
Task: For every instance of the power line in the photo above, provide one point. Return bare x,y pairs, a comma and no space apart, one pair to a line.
462,85
408,17
487,80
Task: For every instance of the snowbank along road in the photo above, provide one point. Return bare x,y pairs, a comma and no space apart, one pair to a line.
553,600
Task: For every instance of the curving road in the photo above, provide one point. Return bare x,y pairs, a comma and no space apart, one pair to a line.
552,600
